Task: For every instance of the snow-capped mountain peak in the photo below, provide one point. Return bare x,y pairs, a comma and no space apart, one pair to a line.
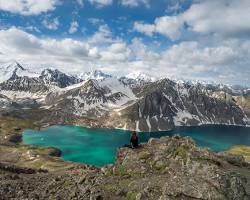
58,78
9,70
96,74
15,66
136,79
140,76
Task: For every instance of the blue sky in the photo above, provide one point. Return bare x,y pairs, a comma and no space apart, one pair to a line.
119,18
190,39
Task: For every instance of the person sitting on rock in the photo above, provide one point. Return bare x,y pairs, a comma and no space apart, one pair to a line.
134,140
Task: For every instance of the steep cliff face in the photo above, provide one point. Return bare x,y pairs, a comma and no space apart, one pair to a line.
58,78
244,103
165,104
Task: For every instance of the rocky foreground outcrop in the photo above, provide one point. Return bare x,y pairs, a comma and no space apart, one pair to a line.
166,168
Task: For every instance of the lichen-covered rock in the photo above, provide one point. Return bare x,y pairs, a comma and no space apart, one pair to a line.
180,170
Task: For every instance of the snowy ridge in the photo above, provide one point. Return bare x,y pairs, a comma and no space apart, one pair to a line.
140,77
96,74
93,95
9,70
116,86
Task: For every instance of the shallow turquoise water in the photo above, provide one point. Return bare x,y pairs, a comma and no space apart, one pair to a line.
98,146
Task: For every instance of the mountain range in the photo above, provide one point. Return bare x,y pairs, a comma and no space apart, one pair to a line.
135,101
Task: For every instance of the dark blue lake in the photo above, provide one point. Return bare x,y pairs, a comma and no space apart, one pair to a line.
98,146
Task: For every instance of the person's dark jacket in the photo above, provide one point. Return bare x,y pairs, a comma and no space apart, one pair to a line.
134,141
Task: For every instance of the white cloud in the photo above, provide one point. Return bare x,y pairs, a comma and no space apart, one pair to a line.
103,35
141,52
101,3
190,55
147,29
95,21
73,27
223,18
135,3
31,28
175,7
27,48
28,7
191,60
18,42
98,3
80,2
226,17
51,24
117,47
167,26
116,52
227,61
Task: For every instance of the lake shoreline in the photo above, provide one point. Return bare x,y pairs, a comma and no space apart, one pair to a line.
36,126
204,136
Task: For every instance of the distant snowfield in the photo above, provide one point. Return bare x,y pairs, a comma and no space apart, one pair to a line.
116,86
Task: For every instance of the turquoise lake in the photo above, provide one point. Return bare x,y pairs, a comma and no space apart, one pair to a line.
98,146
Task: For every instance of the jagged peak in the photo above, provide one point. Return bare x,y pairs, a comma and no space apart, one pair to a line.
51,71
92,83
13,66
48,73
139,76
14,69
95,74
18,65
166,81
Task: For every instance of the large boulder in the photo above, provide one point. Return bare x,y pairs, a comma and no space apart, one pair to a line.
52,151
15,138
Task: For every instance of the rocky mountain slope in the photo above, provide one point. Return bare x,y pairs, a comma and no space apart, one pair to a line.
130,102
14,78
